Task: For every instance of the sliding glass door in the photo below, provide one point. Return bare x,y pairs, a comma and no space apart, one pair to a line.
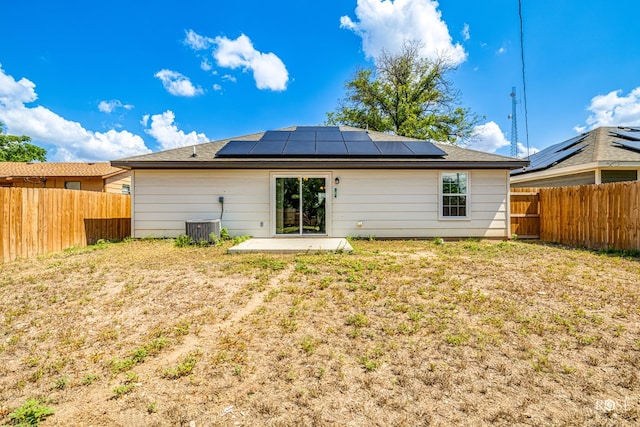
300,205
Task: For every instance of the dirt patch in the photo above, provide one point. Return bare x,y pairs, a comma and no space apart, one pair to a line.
397,333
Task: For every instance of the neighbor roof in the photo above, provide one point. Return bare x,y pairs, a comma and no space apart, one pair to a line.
23,169
604,146
206,155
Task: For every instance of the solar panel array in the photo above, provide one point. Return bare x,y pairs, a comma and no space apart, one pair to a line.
554,154
326,142
634,136
632,139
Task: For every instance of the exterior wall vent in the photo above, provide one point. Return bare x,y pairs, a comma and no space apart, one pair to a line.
200,230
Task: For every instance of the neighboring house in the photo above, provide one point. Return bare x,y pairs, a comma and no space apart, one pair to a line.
605,154
323,181
74,176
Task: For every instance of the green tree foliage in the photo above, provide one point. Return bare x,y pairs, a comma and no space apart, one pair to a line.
17,149
407,95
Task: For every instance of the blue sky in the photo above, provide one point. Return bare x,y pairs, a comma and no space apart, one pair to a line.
105,80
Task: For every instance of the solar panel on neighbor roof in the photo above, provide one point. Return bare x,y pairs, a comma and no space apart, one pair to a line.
635,136
299,148
276,135
424,148
549,160
632,145
268,148
331,149
566,144
236,148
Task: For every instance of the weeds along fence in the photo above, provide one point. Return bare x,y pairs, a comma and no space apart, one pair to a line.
35,221
604,216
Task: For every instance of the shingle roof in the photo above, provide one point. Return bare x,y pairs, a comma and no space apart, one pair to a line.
22,169
598,146
205,156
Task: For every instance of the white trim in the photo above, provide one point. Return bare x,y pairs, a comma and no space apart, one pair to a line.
328,176
441,217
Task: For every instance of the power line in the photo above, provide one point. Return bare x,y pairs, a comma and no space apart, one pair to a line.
524,81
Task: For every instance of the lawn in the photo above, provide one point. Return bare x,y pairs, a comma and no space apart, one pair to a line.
396,333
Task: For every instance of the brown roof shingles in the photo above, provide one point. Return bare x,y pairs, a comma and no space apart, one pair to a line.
76,169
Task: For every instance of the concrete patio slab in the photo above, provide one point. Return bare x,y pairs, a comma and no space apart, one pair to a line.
295,245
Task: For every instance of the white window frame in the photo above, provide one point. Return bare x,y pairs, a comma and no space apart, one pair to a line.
442,194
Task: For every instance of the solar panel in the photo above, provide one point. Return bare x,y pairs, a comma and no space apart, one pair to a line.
635,136
631,145
331,149
303,135
389,148
362,148
317,128
553,158
268,148
275,135
565,144
329,135
236,148
424,149
300,148
356,135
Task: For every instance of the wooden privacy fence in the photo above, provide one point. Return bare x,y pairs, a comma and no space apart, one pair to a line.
604,216
601,216
36,221
525,213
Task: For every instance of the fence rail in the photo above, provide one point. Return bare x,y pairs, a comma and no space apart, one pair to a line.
36,221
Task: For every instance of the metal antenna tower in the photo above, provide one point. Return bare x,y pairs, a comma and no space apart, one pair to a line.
514,124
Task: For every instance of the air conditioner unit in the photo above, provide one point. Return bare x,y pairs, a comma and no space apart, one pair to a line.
200,230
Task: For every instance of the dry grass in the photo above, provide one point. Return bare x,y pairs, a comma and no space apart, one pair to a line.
398,333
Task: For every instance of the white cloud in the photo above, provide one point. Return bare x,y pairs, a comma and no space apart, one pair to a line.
109,106
229,77
268,70
178,84
196,41
167,133
387,25
217,87
524,152
488,138
613,110
205,65
15,93
465,33
501,51
70,140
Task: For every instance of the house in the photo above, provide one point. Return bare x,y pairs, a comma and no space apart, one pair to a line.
605,154
323,181
74,176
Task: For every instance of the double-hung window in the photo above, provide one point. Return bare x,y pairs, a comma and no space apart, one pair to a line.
455,196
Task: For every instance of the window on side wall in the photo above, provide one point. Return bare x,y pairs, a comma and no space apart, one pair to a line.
126,189
454,201
72,185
